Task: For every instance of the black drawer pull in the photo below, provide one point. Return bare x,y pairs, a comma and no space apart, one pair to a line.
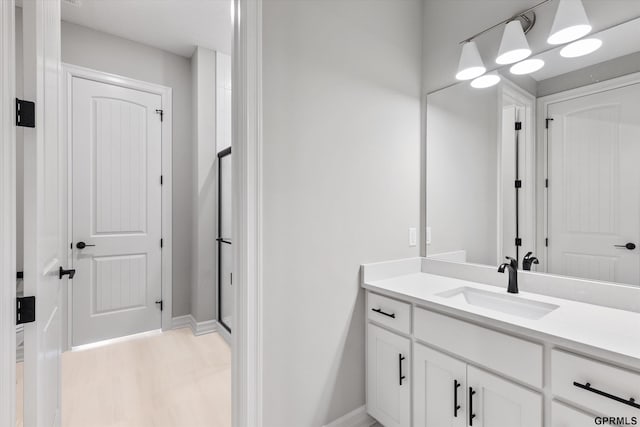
379,310
587,386
456,407
471,414
400,376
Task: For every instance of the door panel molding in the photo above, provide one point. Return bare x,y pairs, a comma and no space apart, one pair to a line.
69,72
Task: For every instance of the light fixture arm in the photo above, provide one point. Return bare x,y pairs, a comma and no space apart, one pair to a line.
530,21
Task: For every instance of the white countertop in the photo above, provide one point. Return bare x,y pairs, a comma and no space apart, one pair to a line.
606,332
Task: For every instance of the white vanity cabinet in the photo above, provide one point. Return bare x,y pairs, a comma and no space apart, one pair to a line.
440,389
388,377
493,401
451,393
428,368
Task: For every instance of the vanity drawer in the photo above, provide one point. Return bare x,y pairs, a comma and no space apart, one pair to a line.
570,375
389,312
565,416
512,356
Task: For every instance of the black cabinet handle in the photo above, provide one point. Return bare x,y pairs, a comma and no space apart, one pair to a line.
587,386
82,245
471,414
400,359
61,272
456,407
630,246
379,310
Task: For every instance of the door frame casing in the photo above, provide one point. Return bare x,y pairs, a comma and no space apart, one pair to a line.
542,154
7,215
69,71
247,212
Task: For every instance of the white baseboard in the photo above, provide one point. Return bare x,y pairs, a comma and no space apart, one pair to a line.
205,327
198,328
356,418
181,322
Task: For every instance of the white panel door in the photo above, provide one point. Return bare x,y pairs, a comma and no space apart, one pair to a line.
440,385
116,140
388,377
594,186
496,402
43,245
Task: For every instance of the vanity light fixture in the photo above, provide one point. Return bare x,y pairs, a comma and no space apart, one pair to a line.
470,65
580,48
570,22
514,46
527,66
486,81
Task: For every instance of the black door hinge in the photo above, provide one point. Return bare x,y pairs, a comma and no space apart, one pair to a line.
546,122
25,310
518,241
161,304
518,125
546,183
161,180
161,243
161,112
546,241
518,183
25,113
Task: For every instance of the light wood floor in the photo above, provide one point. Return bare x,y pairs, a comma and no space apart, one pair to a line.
173,379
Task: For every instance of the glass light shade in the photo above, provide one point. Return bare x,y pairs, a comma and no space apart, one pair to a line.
570,23
486,81
470,65
581,48
514,46
527,67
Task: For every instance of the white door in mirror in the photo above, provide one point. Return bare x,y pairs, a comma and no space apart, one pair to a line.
593,197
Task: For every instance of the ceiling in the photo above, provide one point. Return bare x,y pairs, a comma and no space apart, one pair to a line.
177,26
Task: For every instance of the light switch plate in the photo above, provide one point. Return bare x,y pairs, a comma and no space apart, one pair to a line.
413,237
428,235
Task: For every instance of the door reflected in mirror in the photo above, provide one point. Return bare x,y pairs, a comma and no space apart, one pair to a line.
543,168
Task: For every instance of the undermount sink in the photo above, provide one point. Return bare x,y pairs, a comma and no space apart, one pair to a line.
508,304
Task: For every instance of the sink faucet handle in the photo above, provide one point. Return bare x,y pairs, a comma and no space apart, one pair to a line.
513,262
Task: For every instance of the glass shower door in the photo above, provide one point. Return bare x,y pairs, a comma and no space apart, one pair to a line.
225,257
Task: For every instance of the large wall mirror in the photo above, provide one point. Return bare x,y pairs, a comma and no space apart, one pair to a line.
545,167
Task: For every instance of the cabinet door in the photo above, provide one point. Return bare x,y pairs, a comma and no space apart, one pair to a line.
439,389
495,402
388,377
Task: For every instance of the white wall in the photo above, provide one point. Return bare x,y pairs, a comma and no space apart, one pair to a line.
93,49
203,293
341,90
462,163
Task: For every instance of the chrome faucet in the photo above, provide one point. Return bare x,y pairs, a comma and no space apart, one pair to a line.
528,260
512,265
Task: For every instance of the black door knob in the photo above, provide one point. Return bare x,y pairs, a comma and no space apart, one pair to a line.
82,245
61,272
630,246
